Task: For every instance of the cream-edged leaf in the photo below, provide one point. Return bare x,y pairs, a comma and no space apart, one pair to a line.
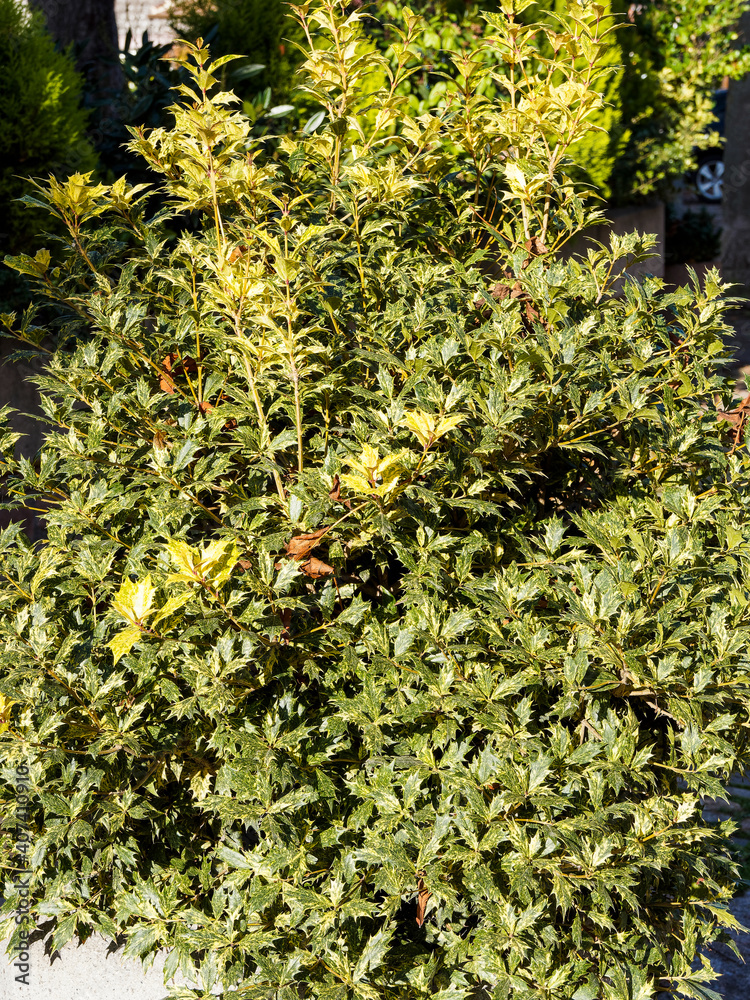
173,604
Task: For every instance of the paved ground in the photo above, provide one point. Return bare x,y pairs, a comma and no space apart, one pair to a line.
734,983
88,972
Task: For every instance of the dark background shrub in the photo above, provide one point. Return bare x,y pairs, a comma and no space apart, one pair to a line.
691,237
261,30
42,128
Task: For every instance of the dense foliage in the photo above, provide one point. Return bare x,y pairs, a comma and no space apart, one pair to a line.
42,123
392,616
667,57
675,54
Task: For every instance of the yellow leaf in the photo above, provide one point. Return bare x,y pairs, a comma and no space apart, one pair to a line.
218,559
134,599
356,483
124,641
185,558
5,706
213,565
516,178
423,425
373,474
447,424
172,605
429,428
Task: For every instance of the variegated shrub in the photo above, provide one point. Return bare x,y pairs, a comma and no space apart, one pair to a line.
391,617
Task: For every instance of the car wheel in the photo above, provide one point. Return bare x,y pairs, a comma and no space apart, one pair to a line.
709,178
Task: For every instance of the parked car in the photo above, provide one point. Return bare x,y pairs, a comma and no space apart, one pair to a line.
709,175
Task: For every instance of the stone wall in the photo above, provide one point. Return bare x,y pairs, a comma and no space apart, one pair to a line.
143,15
735,251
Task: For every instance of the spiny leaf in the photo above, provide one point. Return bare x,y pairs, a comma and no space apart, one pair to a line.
124,641
134,600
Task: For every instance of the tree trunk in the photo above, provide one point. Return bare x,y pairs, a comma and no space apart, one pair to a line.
92,28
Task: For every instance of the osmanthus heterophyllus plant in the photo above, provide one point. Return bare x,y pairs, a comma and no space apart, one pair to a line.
390,621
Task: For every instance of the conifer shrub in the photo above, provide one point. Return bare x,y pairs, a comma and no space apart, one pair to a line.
391,619
42,125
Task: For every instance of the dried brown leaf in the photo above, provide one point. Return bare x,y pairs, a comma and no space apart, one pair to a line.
166,382
737,418
316,568
423,896
173,365
302,545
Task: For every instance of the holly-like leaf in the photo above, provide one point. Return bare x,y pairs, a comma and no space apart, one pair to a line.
217,561
429,428
6,704
212,565
124,641
373,474
134,600
174,604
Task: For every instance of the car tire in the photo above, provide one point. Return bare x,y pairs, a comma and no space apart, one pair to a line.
709,178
